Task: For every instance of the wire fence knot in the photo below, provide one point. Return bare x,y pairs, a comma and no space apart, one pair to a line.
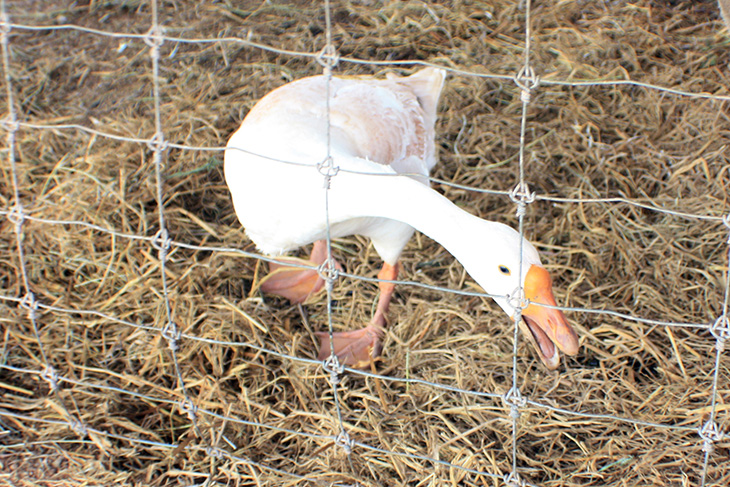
334,368
9,124
157,143
720,329
522,196
154,38
344,441
16,216
30,304
515,400
328,271
513,479
78,427
162,241
710,434
328,57
328,169
214,452
518,301
50,375
527,80
171,332
187,407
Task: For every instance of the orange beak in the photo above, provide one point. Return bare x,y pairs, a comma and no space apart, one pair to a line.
548,328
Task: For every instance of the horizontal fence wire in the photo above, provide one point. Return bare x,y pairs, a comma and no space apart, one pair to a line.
547,198
20,217
371,62
264,258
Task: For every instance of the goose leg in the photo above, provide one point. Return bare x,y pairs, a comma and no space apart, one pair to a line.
294,283
359,347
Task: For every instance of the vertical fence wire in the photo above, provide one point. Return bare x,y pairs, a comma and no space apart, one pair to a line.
710,432
17,216
328,271
170,331
521,196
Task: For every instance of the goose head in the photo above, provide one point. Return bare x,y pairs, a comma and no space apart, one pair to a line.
501,274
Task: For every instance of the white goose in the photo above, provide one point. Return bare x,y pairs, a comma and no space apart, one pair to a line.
380,131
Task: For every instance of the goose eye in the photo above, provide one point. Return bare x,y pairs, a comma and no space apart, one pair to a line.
504,270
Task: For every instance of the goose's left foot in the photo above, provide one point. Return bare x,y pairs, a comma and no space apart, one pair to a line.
354,349
358,348
294,283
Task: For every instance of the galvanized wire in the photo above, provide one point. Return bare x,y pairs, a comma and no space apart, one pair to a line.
554,199
16,216
170,331
264,258
372,62
327,58
719,331
710,431
526,81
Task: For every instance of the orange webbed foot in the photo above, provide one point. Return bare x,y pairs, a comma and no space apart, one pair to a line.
356,349
293,283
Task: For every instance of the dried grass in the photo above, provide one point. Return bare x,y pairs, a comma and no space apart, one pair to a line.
601,141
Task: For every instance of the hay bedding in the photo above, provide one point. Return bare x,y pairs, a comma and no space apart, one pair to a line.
585,142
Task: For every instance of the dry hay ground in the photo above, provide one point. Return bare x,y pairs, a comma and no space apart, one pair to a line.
584,142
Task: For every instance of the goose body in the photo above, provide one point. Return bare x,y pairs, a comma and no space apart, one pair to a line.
381,137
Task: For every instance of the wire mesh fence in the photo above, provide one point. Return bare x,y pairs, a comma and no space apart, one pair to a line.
132,343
